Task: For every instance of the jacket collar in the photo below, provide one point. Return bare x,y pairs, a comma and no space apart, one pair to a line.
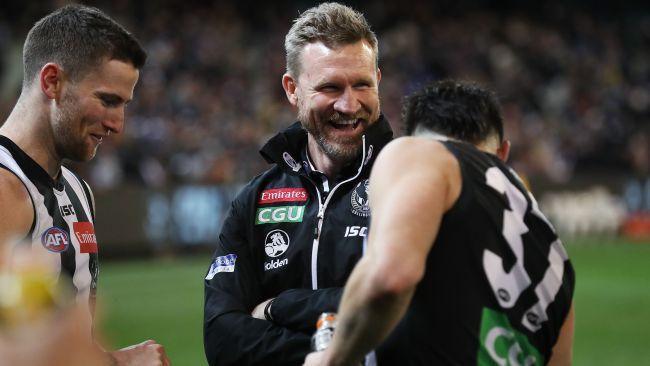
285,149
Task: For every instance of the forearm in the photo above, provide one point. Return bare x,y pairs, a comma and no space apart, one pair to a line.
298,309
368,313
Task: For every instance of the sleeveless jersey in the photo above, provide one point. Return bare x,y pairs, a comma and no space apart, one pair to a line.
498,282
63,220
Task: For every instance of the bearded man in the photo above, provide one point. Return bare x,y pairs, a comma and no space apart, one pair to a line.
294,233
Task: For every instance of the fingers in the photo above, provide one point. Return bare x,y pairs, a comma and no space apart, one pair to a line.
159,353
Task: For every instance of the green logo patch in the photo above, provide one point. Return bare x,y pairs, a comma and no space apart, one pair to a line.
502,345
272,215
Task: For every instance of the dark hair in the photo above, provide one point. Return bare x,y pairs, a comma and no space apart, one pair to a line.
459,110
78,38
333,24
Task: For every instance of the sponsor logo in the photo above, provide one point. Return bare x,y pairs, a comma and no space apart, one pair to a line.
66,210
503,345
290,161
224,263
85,233
276,243
275,264
351,231
359,199
55,240
272,215
283,195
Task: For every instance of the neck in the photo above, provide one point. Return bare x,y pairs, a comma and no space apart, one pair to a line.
28,127
323,162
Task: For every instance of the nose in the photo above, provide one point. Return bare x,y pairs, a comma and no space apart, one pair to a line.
115,122
347,102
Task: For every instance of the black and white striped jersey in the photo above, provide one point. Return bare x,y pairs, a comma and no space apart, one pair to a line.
63,220
498,284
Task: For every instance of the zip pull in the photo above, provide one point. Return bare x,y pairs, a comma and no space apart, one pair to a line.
320,216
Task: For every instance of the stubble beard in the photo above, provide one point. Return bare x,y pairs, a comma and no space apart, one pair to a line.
339,150
67,145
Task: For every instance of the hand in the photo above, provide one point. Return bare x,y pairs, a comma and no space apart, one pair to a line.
258,312
147,353
316,359
56,339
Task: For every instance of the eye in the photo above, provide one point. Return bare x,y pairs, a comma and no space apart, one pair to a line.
328,88
362,85
110,101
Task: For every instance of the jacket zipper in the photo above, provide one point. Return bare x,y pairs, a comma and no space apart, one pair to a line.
321,216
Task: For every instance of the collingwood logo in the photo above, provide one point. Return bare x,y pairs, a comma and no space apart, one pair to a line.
359,199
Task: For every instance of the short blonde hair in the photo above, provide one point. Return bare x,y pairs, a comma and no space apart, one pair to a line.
332,24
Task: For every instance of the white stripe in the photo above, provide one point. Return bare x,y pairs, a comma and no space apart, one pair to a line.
82,277
549,287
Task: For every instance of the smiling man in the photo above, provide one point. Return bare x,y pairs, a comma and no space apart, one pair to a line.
80,69
295,232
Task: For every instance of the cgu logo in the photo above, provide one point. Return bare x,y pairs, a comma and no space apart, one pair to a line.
514,354
272,215
55,240
351,231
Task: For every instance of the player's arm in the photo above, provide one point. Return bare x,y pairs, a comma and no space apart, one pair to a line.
232,289
413,183
563,349
16,212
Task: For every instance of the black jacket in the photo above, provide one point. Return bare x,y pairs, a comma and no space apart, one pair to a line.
285,238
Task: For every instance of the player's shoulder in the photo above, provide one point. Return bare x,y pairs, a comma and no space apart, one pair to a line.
410,151
16,210
12,188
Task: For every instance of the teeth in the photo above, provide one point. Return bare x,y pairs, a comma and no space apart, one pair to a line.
345,122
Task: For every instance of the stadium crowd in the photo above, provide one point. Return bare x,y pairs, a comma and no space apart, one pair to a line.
574,84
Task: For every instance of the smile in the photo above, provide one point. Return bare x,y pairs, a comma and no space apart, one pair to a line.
348,125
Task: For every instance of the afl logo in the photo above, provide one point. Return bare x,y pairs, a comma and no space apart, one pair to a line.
359,199
276,243
55,240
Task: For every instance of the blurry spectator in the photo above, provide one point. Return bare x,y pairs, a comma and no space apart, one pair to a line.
574,83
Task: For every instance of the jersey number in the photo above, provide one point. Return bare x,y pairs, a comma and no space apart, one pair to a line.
508,285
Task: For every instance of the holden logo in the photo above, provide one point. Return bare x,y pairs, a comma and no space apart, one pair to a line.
276,243
359,199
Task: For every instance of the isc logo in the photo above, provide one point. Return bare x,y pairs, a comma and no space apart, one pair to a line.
355,231
55,240
66,210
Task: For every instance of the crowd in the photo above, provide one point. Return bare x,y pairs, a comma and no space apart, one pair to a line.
574,85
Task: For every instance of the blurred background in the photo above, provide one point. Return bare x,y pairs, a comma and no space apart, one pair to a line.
573,78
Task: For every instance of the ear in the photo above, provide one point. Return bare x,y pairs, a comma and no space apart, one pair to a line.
503,152
378,76
51,80
290,85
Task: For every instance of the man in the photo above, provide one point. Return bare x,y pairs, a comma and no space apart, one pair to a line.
461,264
80,68
294,233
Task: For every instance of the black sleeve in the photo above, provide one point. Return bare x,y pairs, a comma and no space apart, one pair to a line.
298,309
231,335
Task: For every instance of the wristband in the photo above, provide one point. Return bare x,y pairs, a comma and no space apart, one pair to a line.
267,310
